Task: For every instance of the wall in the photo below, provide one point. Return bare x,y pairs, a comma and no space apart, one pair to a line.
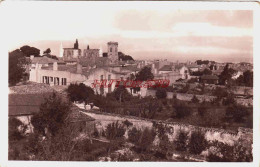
211,134
36,75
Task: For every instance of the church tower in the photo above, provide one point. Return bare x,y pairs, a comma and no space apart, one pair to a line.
112,52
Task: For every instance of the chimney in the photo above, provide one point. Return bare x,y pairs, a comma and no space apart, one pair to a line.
79,68
55,66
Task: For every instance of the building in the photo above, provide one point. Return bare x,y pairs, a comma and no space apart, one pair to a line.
57,74
72,54
112,52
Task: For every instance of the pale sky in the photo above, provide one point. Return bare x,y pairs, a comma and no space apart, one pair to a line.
144,30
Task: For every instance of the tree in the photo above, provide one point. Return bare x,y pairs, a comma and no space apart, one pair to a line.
181,141
114,130
246,79
16,129
28,51
181,110
47,51
161,93
142,139
195,99
197,142
121,94
123,57
149,107
226,75
52,116
237,112
17,65
80,92
145,74
207,72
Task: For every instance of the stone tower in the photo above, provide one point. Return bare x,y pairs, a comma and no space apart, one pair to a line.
112,52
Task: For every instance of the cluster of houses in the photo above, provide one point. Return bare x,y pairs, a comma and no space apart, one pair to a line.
76,65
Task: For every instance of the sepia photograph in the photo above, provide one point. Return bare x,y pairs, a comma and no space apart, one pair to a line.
129,82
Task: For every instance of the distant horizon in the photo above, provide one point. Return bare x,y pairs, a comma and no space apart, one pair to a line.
143,30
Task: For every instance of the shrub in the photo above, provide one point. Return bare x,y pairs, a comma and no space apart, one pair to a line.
114,130
142,139
181,141
161,93
127,123
237,112
239,152
181,110
195,99
202,110
197,142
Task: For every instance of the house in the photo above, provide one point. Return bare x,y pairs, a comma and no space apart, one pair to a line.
25,101
209,79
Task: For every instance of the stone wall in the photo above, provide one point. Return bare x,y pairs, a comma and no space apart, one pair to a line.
221,135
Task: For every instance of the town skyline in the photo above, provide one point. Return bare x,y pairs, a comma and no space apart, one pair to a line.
144,32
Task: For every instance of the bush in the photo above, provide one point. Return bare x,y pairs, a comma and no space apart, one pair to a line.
181,110
197,142
142,139
237,113
202,110
80,92
161,93
195,99
114,130
16,129
239,152
181,141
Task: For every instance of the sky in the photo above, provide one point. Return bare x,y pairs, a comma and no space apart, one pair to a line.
150,30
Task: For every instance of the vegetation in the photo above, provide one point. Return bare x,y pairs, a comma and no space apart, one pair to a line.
28,51
114,130
123,57
17,66
181,141
161,93
80,92
197,142
52,116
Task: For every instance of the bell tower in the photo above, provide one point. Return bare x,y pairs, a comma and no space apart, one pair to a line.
112,52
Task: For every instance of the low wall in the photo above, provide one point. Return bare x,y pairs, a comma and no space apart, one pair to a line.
221,135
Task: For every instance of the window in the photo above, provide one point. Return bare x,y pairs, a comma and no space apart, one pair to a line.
101,77
65,81
51,79
110,49
109,77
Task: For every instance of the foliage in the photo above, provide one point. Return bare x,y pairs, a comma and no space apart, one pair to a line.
145,74
237,113
181,141
52,116
47,51
114,130
121,94
17,63
226,75
239,152
161,93
185,89
148,107
127,123
76,44
146,139
28,51
181,110
202,109
134,135
16,129
80,92
246,79
195,99
123,57
229,100
197,142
